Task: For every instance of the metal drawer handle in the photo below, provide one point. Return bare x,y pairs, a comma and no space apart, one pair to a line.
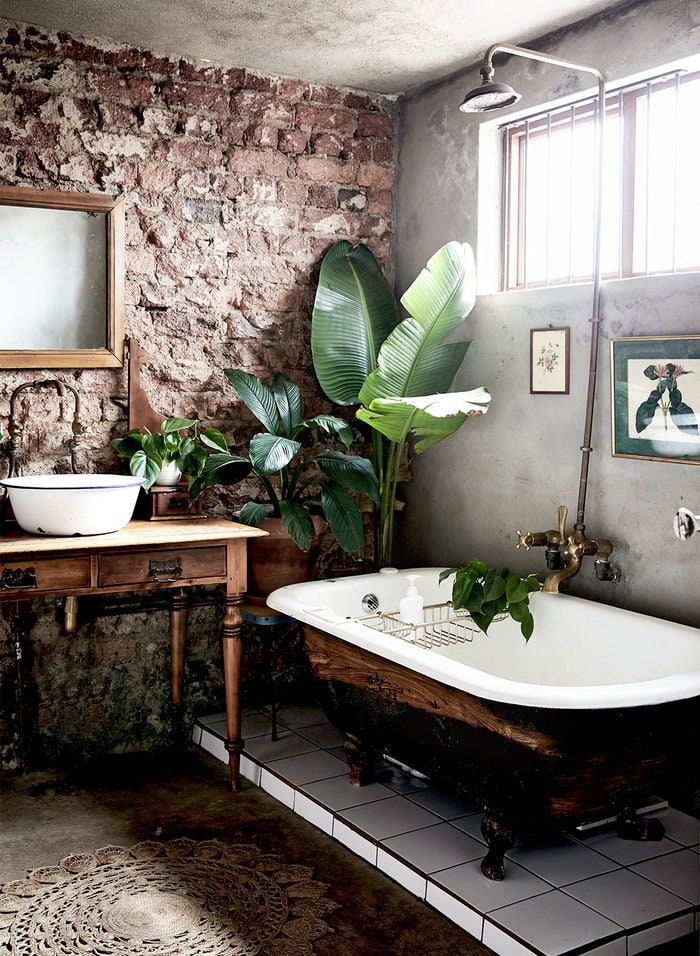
164,571
17,578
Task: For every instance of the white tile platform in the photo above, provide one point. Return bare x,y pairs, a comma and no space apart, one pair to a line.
579,894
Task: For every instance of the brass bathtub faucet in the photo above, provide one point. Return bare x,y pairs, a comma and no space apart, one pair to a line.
564,553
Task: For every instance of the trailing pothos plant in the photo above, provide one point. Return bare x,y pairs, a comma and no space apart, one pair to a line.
397,370
486,592
201,454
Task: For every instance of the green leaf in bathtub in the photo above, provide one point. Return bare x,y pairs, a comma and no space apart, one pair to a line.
487,592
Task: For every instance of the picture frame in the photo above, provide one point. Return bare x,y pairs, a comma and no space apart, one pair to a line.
549,361
655,398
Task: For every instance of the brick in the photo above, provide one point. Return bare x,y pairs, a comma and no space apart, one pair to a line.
377,177
120,86
264,136
375,124
156,178
320,169
293,141
379,202
329,144
254,162
319,117
261,107
292,193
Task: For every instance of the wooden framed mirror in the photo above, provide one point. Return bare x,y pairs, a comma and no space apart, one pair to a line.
62,279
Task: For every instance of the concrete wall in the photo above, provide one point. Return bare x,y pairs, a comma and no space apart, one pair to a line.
513,467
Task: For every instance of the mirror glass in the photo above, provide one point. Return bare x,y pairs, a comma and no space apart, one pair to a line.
61,272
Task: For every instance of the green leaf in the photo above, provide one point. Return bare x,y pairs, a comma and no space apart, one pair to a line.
271,453
289,403
144,467
212,438
298,523
413,359
350,471
253,514
343,516
683,417
177,424
354,311
428,418
333,426
257,397
645,412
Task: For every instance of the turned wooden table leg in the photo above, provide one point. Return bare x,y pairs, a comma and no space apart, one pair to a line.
233,657
178,638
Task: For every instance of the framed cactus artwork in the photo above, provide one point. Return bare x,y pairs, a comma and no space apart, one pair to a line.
655,398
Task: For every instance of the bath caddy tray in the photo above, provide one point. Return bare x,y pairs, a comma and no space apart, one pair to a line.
443,626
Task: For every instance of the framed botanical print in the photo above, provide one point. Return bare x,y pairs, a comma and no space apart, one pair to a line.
549,361
655,386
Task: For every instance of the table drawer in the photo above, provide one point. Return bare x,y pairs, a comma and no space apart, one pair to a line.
32,576
191,565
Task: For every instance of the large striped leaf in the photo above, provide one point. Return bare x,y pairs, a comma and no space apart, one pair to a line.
353,313
414,359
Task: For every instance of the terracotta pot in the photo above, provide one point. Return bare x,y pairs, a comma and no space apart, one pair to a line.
277,560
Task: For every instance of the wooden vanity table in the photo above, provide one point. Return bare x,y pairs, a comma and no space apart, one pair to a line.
146,555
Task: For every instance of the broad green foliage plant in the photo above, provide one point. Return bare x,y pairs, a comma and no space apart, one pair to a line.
397,370
298,476
666,396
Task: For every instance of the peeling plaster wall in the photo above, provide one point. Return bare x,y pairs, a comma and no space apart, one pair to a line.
513,467
235,186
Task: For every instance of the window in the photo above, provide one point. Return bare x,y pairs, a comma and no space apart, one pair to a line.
651,187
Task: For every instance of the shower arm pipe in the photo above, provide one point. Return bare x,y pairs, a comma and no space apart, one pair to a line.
487,72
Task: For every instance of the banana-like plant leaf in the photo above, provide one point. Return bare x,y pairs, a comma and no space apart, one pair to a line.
290,404
413,359
354,311
429,418
270,453
351,471
257,397
343,516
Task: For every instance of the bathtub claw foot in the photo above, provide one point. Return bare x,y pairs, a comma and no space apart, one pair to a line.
360,762
633,827
500,837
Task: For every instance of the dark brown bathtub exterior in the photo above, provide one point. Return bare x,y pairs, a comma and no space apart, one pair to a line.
530,768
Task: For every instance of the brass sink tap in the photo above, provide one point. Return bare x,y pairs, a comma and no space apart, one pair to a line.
567,551
16,429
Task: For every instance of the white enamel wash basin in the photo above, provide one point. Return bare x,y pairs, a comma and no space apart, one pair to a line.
67,505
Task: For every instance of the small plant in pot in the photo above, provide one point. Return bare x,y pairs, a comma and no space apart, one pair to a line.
163,457
303,484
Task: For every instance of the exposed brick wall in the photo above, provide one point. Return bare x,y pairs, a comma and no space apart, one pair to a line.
235,186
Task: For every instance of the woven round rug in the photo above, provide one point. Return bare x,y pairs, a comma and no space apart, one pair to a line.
180,898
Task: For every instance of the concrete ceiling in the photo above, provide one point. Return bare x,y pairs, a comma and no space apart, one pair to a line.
387,47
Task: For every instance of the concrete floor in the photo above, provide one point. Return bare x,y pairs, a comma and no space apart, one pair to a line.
125,799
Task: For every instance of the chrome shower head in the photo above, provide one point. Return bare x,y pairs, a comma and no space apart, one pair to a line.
489,96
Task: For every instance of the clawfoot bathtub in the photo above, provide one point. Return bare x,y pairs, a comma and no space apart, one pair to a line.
597,711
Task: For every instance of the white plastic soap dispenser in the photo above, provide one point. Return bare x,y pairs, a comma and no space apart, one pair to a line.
411,606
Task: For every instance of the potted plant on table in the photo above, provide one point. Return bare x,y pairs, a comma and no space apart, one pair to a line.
396,370
181,448
302,483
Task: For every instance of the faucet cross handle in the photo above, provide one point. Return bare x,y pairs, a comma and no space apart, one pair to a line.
524,539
